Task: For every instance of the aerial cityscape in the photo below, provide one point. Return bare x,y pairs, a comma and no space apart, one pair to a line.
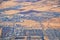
29,19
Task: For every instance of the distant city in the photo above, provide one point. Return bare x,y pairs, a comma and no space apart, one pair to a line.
29,20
